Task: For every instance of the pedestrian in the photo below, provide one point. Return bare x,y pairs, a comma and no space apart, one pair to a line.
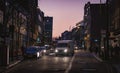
96,49
23,50
111,51
90,49
85,48
116,51
116,48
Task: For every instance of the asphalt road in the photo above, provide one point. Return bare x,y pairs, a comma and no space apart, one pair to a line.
46,64
85,62
81,62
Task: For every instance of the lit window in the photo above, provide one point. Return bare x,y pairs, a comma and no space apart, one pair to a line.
47,20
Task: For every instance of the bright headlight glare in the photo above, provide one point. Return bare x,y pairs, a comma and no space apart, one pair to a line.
65,50
44,51
76,47
56,50
102,47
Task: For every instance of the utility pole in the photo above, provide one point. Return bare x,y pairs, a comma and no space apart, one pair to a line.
107,31
5,59
106,50
106,46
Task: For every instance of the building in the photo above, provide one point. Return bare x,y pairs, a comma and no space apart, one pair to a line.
18,19
66,35
95,19
48,29
80,33
114,20
41,26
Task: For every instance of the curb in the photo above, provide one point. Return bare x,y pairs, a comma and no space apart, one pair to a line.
2,70
9,66
116,67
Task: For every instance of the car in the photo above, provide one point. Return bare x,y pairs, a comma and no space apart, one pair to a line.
48,51
64,47
43,48
76,47
51,51
33,51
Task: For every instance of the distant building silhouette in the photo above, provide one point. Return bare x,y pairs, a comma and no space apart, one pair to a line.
66,35
48,29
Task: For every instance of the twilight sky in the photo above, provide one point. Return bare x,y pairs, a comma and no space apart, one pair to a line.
65,13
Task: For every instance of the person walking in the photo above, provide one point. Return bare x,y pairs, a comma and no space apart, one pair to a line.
23,50
116,48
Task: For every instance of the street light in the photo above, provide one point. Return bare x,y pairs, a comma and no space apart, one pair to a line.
107,30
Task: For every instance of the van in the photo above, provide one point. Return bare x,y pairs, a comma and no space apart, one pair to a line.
64,47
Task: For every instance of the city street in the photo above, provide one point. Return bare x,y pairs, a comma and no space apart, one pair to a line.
59,36
46,64
81,62
86,62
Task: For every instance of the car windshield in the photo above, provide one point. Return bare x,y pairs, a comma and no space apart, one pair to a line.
32,48
62,45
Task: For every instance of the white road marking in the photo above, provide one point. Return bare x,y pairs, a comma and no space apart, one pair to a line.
89,69
70,65
98,58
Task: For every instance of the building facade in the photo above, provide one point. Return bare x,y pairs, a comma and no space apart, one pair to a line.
114,20
95,20
18,19
66,35
80,34
41,27
48,30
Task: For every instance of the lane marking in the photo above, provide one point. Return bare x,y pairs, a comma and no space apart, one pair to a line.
70,65
98,58
89,69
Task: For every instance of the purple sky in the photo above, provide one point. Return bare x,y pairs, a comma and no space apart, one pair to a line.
65,13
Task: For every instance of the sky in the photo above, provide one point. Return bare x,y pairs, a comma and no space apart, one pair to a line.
65,13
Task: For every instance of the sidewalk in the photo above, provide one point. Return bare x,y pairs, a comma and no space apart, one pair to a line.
4,68
115,62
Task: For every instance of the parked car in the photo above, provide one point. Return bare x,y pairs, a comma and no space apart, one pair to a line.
33,51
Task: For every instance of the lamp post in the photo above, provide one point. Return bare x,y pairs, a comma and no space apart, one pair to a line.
107,32
5,52
106,48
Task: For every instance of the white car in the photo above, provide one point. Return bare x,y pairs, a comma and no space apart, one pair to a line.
64,47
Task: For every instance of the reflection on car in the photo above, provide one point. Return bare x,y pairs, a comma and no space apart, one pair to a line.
33,51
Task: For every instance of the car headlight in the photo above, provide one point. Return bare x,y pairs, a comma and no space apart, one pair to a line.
44,51
65,50
76,47
56,50
38,54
